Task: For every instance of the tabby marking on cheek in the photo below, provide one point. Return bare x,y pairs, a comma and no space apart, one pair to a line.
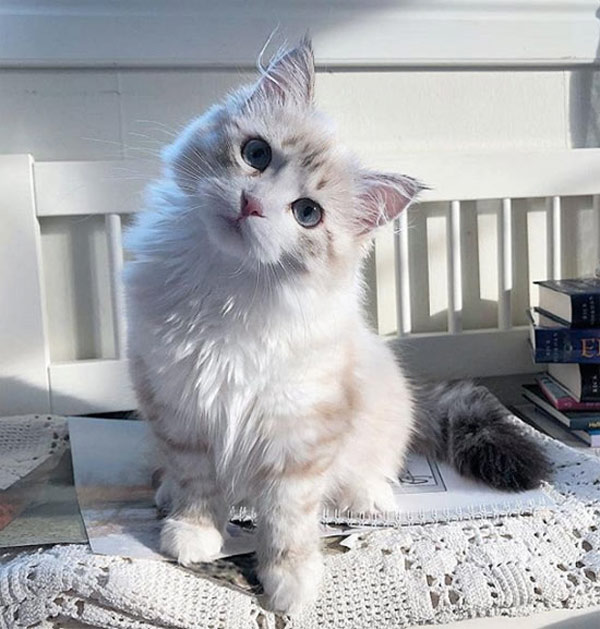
290,142
293,263
330,248
322,183
311,161
309,245
224,157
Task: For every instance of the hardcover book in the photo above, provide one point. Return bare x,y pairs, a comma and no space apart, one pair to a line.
576,301
548,425
582,381
555,342
574,420
560,398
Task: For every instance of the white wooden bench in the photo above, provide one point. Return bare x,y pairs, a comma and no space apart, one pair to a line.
449,282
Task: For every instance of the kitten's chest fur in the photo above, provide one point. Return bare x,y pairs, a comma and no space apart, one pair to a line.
246,372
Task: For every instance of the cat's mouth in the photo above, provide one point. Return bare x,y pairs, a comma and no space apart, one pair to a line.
237,224
233,223
244,235
245,238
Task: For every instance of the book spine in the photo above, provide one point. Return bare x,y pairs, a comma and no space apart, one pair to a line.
563,402
585,309
576,423
595,438
567,346
569,404
590,383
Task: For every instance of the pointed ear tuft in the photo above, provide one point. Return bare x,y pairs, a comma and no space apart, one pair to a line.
290,77
383,196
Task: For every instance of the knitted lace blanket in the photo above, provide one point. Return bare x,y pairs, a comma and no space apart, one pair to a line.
417,574
26,441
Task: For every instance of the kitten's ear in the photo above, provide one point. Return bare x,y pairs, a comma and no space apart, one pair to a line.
383,196
290,77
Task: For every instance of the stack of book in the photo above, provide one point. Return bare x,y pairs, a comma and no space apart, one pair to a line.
565,335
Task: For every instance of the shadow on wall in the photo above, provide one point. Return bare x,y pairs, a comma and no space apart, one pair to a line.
16,398
584,104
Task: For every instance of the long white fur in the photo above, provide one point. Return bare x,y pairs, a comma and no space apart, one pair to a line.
249,350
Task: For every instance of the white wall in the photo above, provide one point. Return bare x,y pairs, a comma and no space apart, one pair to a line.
91,112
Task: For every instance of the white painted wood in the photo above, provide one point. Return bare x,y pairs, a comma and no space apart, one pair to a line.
422,291
229,33
370,279
386,280
473,315
579,236
596,230
386,115
437,262
556,238
536,260
497,175
377,113
23,348
493,352
155,105
550,238
59,114
453,237
488,257
422,249
529,254
88,114
505,271
402,275
103,187
89,386
115,257
474,353
77,280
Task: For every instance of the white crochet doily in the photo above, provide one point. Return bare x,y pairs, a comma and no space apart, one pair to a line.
27,441
430,573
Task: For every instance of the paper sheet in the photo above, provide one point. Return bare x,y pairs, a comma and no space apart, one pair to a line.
113,461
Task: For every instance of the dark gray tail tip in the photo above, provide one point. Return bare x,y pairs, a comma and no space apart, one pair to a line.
512,461
528,474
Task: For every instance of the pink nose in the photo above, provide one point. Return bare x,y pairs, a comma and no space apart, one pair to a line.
249,206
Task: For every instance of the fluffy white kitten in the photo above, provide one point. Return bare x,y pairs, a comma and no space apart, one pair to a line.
249,351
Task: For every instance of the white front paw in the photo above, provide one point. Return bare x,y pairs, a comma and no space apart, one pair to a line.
375,497
383,498
190,543
291,586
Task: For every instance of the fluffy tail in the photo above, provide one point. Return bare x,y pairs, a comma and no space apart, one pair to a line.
464,425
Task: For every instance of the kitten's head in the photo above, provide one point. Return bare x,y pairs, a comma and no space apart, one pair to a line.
269,181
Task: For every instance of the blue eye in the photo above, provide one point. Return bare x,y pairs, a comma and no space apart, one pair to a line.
307,212
257,153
